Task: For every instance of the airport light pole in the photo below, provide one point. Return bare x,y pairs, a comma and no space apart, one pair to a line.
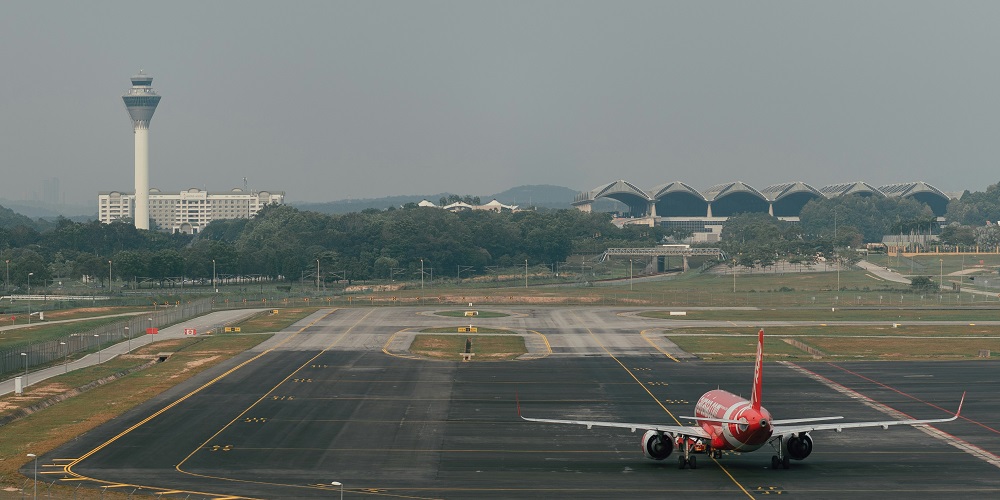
25,368
421,274
6,280
97,336
35,485
213,276
525,273
317,275
941,277
835,253
338,483
29,297
129,335
66,362
630,275
109,278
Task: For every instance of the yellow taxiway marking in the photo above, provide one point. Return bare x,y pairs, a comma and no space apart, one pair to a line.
665,353
630,374
266,396
72,463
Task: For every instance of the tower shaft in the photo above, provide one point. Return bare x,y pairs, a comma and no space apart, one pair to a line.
141,103
141,176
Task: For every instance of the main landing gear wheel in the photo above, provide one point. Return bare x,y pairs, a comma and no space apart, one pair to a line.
779,462
690,462
784,463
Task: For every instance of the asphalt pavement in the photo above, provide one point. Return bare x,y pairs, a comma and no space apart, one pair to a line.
325,401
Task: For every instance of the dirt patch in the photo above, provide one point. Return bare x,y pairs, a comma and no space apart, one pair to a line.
80,310
194,363
198,362
373,288
49,389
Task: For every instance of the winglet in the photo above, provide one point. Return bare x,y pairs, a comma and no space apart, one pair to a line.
517,399
758,372
959,412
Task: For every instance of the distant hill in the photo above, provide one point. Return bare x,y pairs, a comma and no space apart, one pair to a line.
10,219
538,195
544,196
357,205
50,211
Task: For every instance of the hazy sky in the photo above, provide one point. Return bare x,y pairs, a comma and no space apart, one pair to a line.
331,100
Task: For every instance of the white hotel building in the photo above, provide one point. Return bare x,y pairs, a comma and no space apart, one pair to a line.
188,211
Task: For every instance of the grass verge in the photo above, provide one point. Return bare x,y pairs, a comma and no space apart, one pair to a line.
844,343
827,315
482,314
266,322
502,347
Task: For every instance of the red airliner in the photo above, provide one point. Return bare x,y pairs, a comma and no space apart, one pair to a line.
729,422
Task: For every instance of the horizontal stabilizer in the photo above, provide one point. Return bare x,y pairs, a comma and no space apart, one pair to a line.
716,420
803,420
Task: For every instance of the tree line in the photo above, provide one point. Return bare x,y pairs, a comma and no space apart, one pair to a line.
284,243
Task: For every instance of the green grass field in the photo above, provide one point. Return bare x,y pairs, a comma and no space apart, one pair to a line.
480,314
841,342
266,322
43,332
486,347
826,315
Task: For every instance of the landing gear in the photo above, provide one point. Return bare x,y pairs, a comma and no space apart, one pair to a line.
687,458
716,454
778,460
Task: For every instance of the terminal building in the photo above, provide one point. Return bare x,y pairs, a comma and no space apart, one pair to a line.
188,211
676,204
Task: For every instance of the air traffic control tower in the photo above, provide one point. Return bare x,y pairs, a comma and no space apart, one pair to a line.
141,102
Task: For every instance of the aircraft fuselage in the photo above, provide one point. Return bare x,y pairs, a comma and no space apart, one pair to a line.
748,436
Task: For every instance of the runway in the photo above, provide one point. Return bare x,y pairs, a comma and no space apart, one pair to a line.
322,402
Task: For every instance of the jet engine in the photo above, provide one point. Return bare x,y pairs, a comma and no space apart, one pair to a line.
799,446
657,445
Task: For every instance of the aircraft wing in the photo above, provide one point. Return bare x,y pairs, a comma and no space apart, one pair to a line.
677,430
785,430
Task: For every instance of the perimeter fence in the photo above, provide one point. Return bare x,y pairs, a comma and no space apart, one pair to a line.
18,358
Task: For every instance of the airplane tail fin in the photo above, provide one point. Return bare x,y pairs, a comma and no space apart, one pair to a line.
758,372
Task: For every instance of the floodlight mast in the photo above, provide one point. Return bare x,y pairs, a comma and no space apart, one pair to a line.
141,102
